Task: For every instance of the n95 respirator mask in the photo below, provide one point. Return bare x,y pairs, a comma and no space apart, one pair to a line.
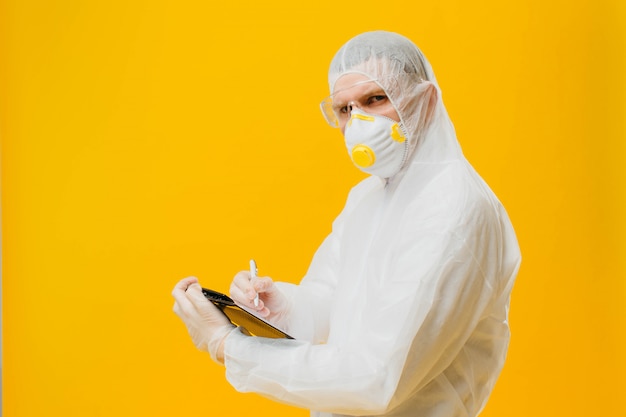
376,144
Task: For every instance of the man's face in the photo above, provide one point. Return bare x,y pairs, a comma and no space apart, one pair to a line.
356,90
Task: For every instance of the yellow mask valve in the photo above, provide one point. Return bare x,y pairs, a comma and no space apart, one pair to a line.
396,133
363,156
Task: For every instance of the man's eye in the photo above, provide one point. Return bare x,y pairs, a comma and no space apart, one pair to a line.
376,99
343,110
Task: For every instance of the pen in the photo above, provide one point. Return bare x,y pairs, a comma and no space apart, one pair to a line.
253,272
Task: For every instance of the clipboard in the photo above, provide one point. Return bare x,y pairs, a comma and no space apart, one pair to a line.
254,325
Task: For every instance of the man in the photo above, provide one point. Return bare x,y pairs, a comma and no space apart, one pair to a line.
403,311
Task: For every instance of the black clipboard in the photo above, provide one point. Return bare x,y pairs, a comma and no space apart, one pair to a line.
254,325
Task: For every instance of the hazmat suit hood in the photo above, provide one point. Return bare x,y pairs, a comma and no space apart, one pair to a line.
407,78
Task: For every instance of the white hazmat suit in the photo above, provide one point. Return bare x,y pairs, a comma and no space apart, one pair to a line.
403,311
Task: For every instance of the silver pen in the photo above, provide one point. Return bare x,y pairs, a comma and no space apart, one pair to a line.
253,272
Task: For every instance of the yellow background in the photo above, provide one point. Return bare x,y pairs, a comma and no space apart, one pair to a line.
145,141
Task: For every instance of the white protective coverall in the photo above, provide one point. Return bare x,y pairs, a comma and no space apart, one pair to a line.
403,311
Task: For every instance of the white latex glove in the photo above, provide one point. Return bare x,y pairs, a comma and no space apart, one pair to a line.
273,305
207,325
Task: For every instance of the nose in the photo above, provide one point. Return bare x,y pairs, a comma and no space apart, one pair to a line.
346,118
351,106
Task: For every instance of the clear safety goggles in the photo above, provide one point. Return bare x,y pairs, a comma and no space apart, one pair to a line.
333,109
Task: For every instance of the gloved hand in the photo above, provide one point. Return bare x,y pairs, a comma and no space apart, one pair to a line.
273,305
207,325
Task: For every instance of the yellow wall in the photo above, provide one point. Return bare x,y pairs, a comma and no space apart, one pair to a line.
144,141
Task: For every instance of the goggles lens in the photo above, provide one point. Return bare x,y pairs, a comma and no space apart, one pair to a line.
363,94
